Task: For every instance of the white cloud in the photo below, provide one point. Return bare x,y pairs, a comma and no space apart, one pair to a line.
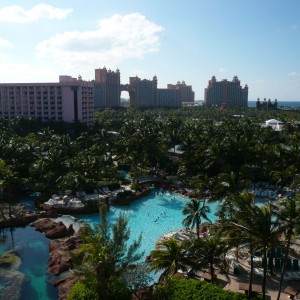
222,70
5,43
116,39
17,14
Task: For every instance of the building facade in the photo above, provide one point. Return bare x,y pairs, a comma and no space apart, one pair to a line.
142,92
266,105
185,91
107,90
168,98
69,100
226,93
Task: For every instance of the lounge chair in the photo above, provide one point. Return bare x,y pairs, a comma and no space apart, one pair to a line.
258,271
291,276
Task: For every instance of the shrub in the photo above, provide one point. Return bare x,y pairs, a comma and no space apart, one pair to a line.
81,291
87,290
136,187
182,289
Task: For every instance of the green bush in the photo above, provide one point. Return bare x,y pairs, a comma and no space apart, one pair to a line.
117,290
136,187
82,291
87,290
182,289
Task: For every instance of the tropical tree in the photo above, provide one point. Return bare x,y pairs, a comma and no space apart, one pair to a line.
268,233
105,256
258,227
195,210
289,218
8,180
209,252
168,257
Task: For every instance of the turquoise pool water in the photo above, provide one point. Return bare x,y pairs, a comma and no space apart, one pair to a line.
32,247
152,216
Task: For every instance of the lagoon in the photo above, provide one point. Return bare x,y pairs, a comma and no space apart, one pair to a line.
152,216
32,247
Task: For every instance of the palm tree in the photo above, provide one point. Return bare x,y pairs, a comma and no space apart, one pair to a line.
105,254
267,236
194,211
259,228
289,217
209,252
227,186
169,256
8,180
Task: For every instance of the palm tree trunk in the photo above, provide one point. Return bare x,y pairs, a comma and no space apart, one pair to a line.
9,199
265,265
250,275
197,228
237,252
212,272
284,262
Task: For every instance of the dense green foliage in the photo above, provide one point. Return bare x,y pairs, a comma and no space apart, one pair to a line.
136,187
104,259
86,290
221,156
182,289
83,290
60,156
248,226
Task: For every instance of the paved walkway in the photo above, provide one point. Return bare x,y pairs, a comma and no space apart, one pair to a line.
272,282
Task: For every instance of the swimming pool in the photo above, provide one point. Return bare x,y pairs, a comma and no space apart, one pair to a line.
152,216
32,247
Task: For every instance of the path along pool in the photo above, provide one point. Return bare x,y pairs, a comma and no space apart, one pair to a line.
152,216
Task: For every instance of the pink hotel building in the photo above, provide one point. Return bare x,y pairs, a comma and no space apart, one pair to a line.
69,100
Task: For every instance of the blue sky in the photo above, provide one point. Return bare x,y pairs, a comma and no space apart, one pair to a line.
257,40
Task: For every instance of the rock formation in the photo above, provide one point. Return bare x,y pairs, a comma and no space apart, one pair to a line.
11,279
52,229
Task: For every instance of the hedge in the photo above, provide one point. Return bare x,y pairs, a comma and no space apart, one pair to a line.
182,289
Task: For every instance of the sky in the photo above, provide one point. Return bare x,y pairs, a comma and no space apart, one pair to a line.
192,40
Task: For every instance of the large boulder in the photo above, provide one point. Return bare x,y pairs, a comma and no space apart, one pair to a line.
9,260
58,231
60,259
64,286
43,224
52,229
11,279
